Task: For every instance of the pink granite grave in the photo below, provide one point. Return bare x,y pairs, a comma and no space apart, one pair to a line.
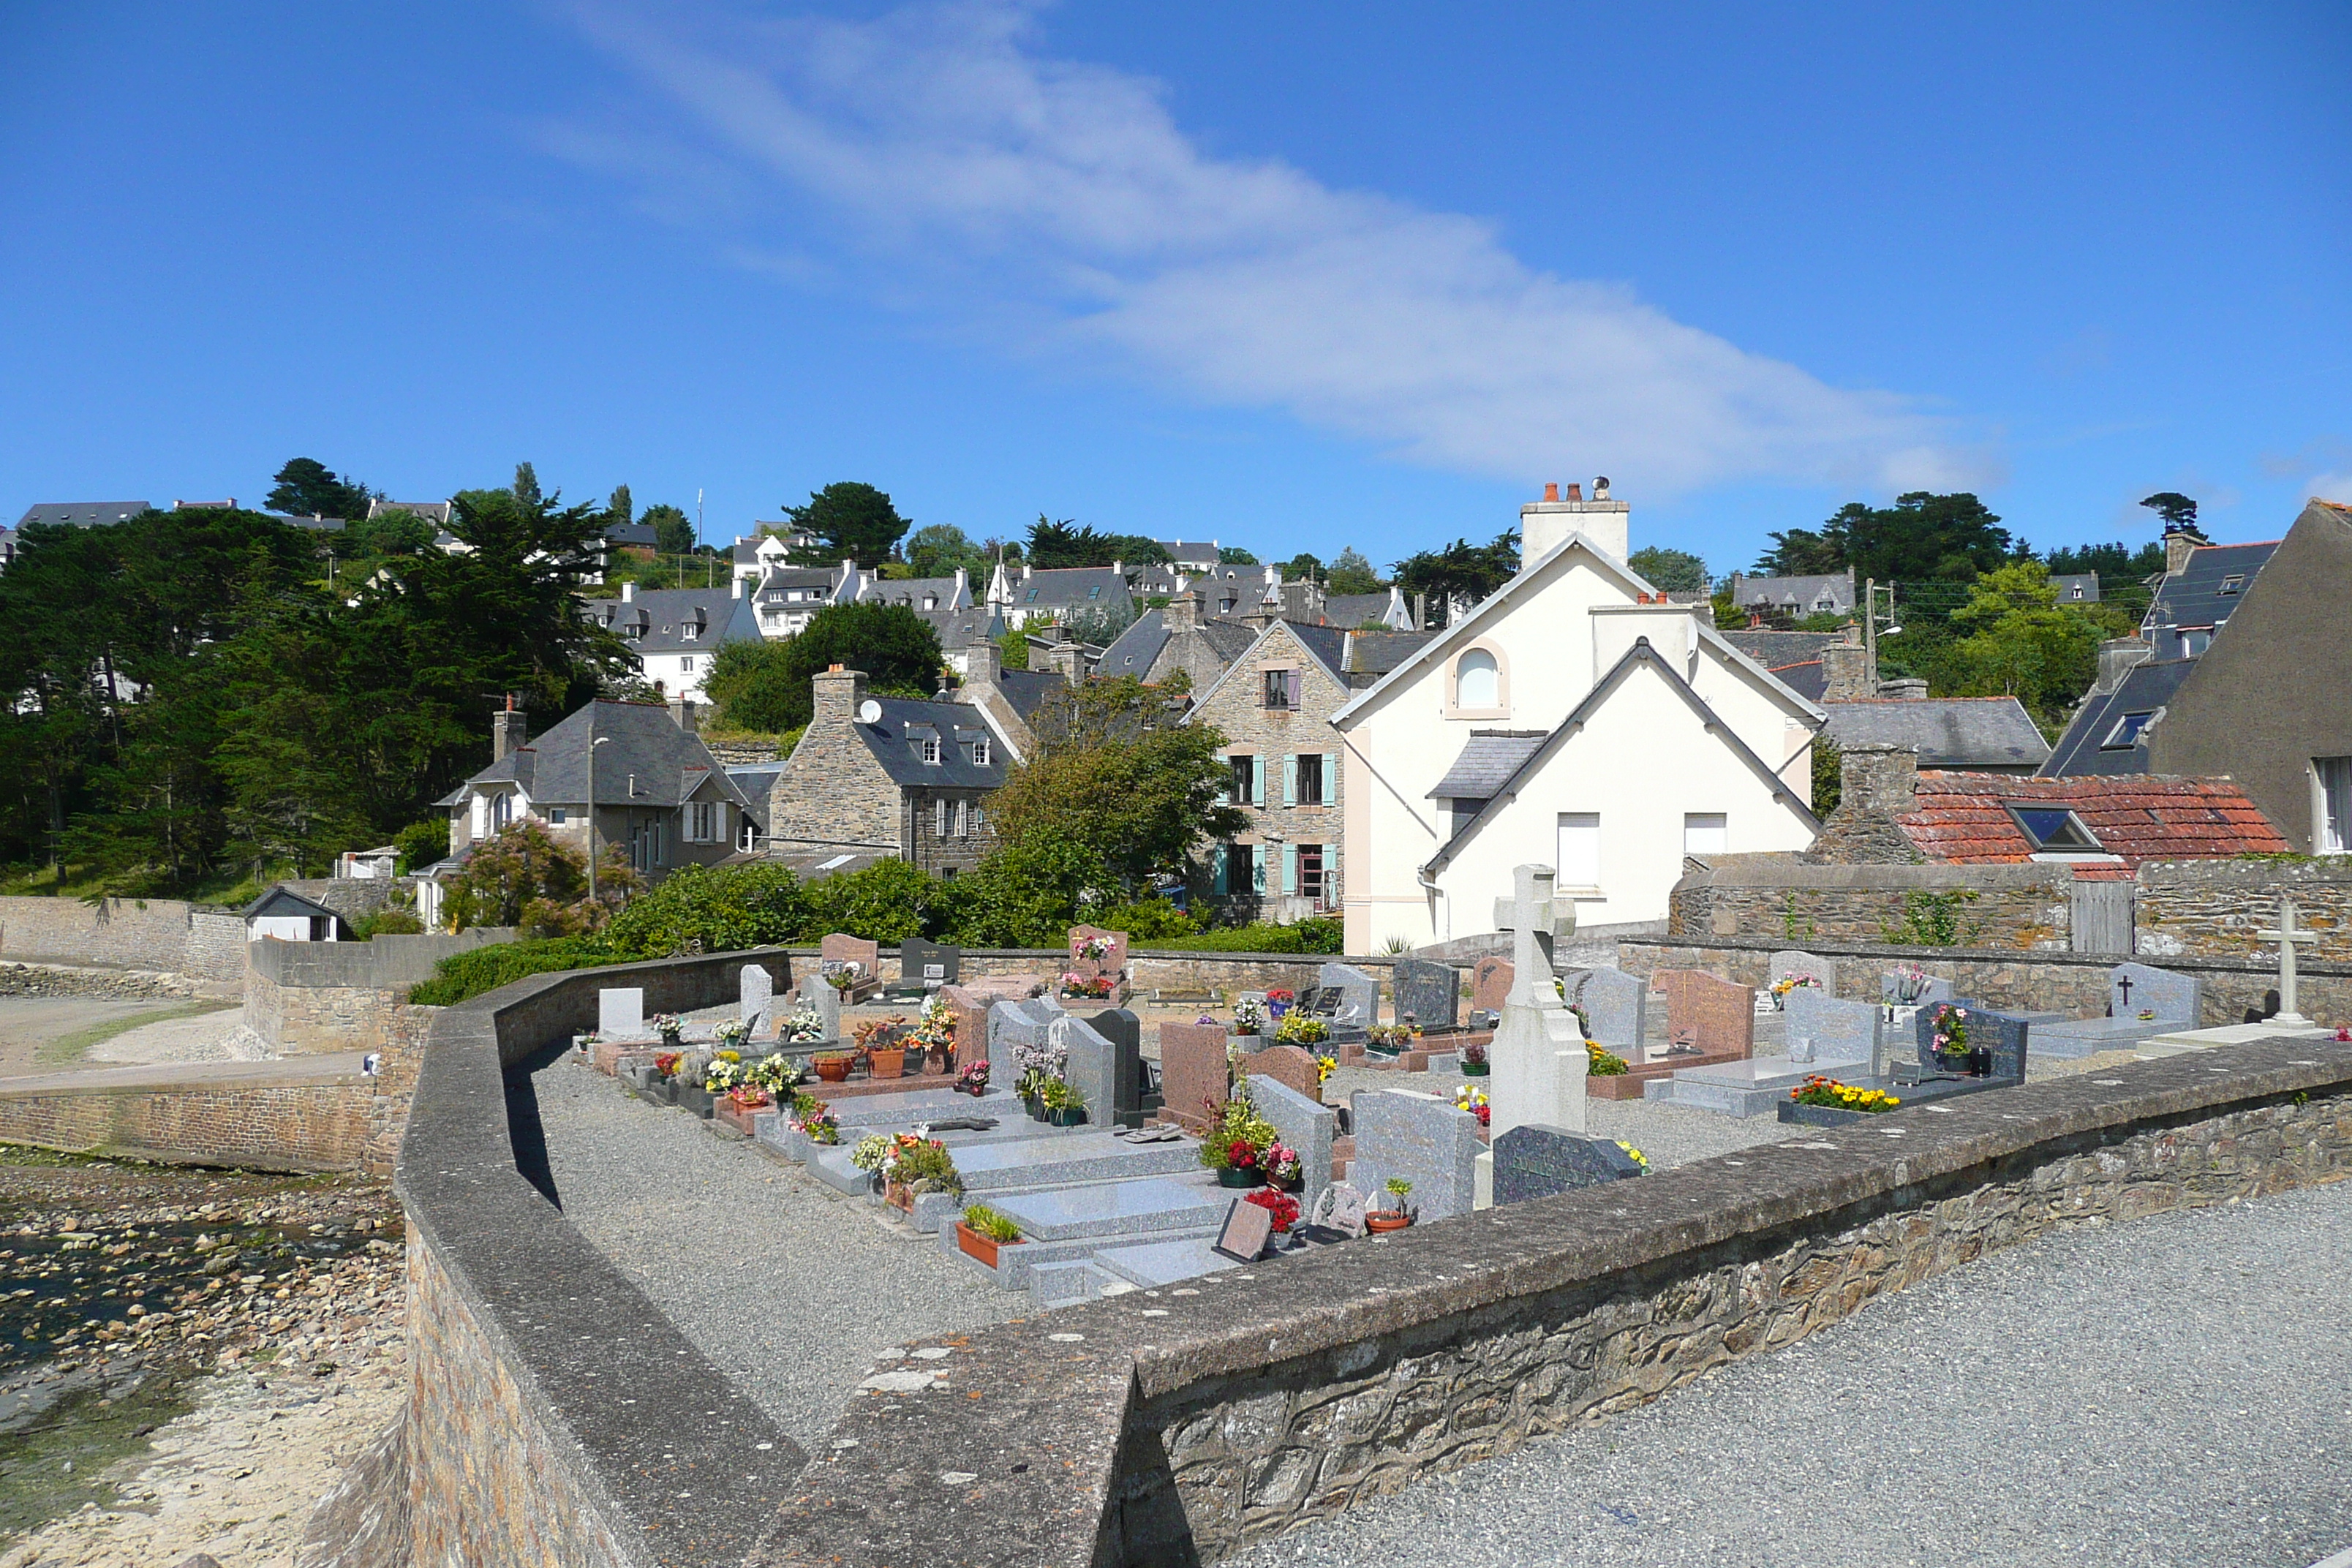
1289,1065
1192,1073
1490,982
1715,1015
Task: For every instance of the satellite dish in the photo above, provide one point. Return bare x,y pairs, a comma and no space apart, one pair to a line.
869,711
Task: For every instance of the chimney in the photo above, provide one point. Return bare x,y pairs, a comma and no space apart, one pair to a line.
1543,524
1066,658
1909,688
1552,489
1025,569
2178,542
1878,783
735,587
962,587
682,714
2117,657
1120,567
628,591
1183,612
982,663
1845,671
838,693
510,728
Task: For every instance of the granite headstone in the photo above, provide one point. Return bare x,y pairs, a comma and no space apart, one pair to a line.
1119,1102
2001,1034
1421,1139
1307,1125
1841,1034
1194,1073
929,964
1359,995
1615,1004
1925,989
1340,1208
2134,989
1532,1160
1490,983
1289,1064
1792,962
756,1003
621,1014
1714,1014
1428,994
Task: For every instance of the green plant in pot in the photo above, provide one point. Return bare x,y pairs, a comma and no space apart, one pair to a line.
982,1230
1950,1037
1064,1106
1236,1144
1473,1059
1397,1214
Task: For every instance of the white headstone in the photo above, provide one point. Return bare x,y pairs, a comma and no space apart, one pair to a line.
2287,934
621,1015
758,1006
1540,1060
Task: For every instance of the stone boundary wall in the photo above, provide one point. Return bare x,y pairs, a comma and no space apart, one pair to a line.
342,995
1149,1428
555,1415
1156,969
2214,907
314,1116
2074,983
1765,895
138,933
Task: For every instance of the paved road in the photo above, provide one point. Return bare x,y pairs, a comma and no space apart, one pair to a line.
2170,1393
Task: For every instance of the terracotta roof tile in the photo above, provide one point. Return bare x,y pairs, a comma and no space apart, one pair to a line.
1962,818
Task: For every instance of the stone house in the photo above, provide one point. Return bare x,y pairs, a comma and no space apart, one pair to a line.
675,632
1575,717
1178,636
2242,669
1023,594
657,790
888,774
1274,703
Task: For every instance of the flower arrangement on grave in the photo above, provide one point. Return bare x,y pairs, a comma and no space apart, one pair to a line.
844,978
1298,1028
805,1024
668,1026
882,1032
1906,985
1791,982
725,1071
1093,948
997,1227
693,1067
1061,1097
749,1097
909,1160
1474,1054
1279,1001
775,1074
1282,1165
1037,1062
813,1119
1602,1062
1249,1016
1474,1100
1237,1135
1324,1068
1093,987
1819,1090
973,1079
1949,1032
1635,1154
1279,1205
2148,1015
731,1033
665,1062
1392,1037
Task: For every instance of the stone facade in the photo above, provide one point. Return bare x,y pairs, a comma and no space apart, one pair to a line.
1283,824
832,790
1876,785
1798,903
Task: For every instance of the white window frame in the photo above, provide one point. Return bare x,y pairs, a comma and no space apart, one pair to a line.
1579,863
1706,833
931,750
980,753
2331,815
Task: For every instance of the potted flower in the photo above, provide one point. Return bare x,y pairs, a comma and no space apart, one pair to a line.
1397,1216
1473,1059
972,1080
1474,1100
1281,1206
775,1073
813,1120
1788,983
1829,1094
1278,1002
805,1025
1064,1106
844,978
1949,1037
1096,987
981,1231
668,1026
1283,1167
664,1088
833,1067
1249,1016
1298,1028
909,1165
731,1034
1324,1068
1391,1039
886,1056
1602,1062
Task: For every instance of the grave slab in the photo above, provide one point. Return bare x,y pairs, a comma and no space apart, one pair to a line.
1115,1208
621,1014
1152,1263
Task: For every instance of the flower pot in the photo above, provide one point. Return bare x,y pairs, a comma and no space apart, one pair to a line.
1378,1220
1068,1116
887,1062
976,1246
1475,1070
1239,1176
1956,1061
832,1069
1034,1106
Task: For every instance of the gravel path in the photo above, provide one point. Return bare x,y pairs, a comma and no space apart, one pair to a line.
769,1271
2177,1390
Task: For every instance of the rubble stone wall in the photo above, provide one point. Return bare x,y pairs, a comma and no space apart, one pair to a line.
303,1122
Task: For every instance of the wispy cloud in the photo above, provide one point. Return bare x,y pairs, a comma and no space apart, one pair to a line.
1062,195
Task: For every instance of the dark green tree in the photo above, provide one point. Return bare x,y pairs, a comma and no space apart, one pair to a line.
1462,570
308,488
1055,545
1352,574
673,529
1235,555
2112,562
853,520
525,485
1921,537
617,511
1674,571
2177,509
765,687
1304,567
937,549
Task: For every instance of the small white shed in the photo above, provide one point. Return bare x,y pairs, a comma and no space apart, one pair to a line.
288,916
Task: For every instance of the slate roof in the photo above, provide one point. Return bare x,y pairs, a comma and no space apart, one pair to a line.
2192,598
912,591
282,899
643,535
1488,760
678,620
432,512
81,513
1355,609
1946,731
1190,552
2082,750
962,628
824,579
1227,639
1071,587
2077,587
1328,644
896,741
1808,680
1834,590
1774,651
1028,690
1133,651
1961,819
1377,653
646,753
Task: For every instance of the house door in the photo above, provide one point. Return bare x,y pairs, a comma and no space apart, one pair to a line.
2101,916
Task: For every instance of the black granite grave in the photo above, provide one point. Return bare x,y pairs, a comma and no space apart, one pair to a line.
1428,994
1532,1160
1124,1030
1996,1043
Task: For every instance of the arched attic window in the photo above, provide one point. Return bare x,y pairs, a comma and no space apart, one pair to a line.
1477,680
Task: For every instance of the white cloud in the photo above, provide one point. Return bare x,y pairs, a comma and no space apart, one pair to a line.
2336,488
1063,196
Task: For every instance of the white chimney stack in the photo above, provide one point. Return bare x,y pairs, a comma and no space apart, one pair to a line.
1543,524
628,591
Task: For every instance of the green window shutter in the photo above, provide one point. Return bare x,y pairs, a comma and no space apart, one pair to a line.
1289,779
1217,864
1290,867
1330,779
1258,867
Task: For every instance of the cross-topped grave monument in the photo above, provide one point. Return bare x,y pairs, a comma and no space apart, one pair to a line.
2286,934
1538,1054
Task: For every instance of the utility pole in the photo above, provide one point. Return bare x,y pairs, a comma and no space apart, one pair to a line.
594,741
1870,632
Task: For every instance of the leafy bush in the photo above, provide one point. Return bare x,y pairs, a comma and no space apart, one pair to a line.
421,842
467,975
704,908
1024,896
1148,922
1317,935
387,923
886,902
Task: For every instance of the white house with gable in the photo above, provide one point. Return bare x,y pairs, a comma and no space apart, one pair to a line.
1574,718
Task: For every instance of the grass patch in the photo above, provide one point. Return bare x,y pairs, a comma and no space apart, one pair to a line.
1311,936
68,1048
90,1434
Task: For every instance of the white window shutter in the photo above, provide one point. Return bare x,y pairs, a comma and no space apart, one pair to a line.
1224,798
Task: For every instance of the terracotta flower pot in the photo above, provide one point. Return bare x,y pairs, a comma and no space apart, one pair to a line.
888,1061
977,1245
832,1069
1379,1220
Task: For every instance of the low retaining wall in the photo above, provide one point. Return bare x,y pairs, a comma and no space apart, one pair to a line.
139,933
1154,969
1154,1428
2073,983
1774,895
342,995
2215,907
321,1115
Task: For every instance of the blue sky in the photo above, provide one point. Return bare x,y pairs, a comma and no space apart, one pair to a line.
1364,275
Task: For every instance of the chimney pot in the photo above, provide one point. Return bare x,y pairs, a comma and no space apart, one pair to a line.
1575,492
1551,490
628,591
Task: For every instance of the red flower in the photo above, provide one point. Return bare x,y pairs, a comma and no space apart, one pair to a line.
1241,1153
1280,1205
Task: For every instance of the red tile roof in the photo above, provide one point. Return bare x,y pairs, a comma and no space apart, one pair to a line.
1960,817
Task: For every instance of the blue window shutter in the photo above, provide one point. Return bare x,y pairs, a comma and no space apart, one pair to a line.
1290,867
1258,867
1330,778
1224,798
1289,779
1217,863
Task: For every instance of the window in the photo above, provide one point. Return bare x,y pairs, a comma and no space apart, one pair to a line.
2230,585
931,749
2335,835
1245,784
1311,778
501,812
1031,598
2055,829
702,822
1281,687
1580,849
1311,871
1704,832
1461,814
975,816
1246,867
940,812
1094,592
556,817
2126,731
2194,644
686,665
980,753
1477,680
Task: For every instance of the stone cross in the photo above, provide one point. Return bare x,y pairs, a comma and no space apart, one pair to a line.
1539,1052
2286,936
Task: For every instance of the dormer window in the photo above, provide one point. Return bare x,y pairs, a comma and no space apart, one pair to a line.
980,753
2230,585
931,750
2126,731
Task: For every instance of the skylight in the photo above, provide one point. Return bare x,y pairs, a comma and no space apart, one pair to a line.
2126,731
2054,829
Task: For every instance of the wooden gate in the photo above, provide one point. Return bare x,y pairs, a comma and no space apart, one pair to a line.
2101,916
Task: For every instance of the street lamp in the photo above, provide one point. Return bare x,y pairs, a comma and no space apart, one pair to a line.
594,741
